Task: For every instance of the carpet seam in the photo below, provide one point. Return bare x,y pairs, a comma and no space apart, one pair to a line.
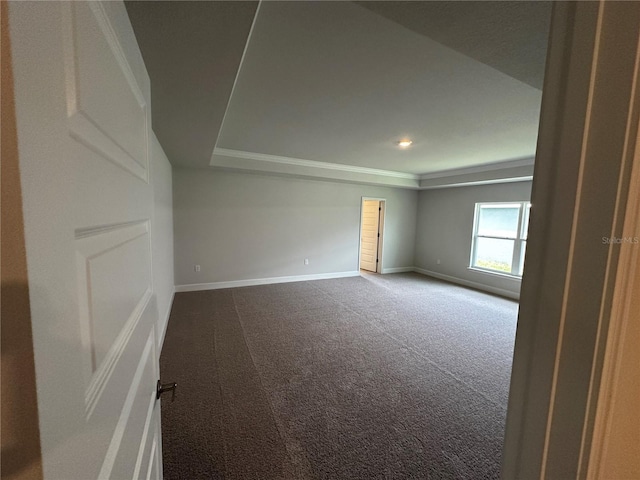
264,390
413,350
448,293
225,441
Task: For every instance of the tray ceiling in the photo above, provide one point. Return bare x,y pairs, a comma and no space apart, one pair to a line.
322,85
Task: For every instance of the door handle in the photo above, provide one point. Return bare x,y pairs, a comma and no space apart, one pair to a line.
165,387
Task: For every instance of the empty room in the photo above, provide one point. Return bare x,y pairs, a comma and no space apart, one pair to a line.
320,239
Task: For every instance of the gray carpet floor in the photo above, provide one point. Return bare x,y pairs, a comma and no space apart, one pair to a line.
394,376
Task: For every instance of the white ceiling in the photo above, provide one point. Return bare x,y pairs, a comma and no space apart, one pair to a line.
192,51
506,35
328,87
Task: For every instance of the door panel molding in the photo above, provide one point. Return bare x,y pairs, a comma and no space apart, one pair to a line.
92,121
105,371
91,245
148,354
146,442
154,460
130,242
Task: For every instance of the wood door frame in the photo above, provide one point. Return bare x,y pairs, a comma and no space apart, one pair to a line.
588,127
383,207
21,456
616,401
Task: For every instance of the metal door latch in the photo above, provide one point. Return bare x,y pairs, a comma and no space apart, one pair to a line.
165,387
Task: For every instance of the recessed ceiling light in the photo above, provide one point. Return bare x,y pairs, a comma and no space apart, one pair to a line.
404,143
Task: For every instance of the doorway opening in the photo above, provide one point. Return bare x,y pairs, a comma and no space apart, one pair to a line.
371,234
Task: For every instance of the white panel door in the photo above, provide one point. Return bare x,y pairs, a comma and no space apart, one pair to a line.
82,114
370,235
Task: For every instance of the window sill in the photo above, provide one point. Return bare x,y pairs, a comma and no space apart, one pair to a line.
497,274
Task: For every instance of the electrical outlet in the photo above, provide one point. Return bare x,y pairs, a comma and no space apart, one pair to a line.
196,268
306,261
438,261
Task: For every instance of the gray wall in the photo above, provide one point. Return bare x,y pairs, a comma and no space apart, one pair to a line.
445,225
162,233
240,226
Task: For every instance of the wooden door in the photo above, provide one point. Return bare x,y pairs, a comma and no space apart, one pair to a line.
83,127
370,235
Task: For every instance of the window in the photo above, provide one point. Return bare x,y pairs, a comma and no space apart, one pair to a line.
500,237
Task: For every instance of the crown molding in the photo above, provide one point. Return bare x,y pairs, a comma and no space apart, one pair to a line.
509,179
498,172
487,167
262,157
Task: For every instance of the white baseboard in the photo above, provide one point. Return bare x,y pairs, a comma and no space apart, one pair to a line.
398,270
194,287
167,314
467,283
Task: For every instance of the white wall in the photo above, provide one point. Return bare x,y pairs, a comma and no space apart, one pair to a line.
240,226
162,234
444,229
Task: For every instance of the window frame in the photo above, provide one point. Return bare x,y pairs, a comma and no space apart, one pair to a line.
517,260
